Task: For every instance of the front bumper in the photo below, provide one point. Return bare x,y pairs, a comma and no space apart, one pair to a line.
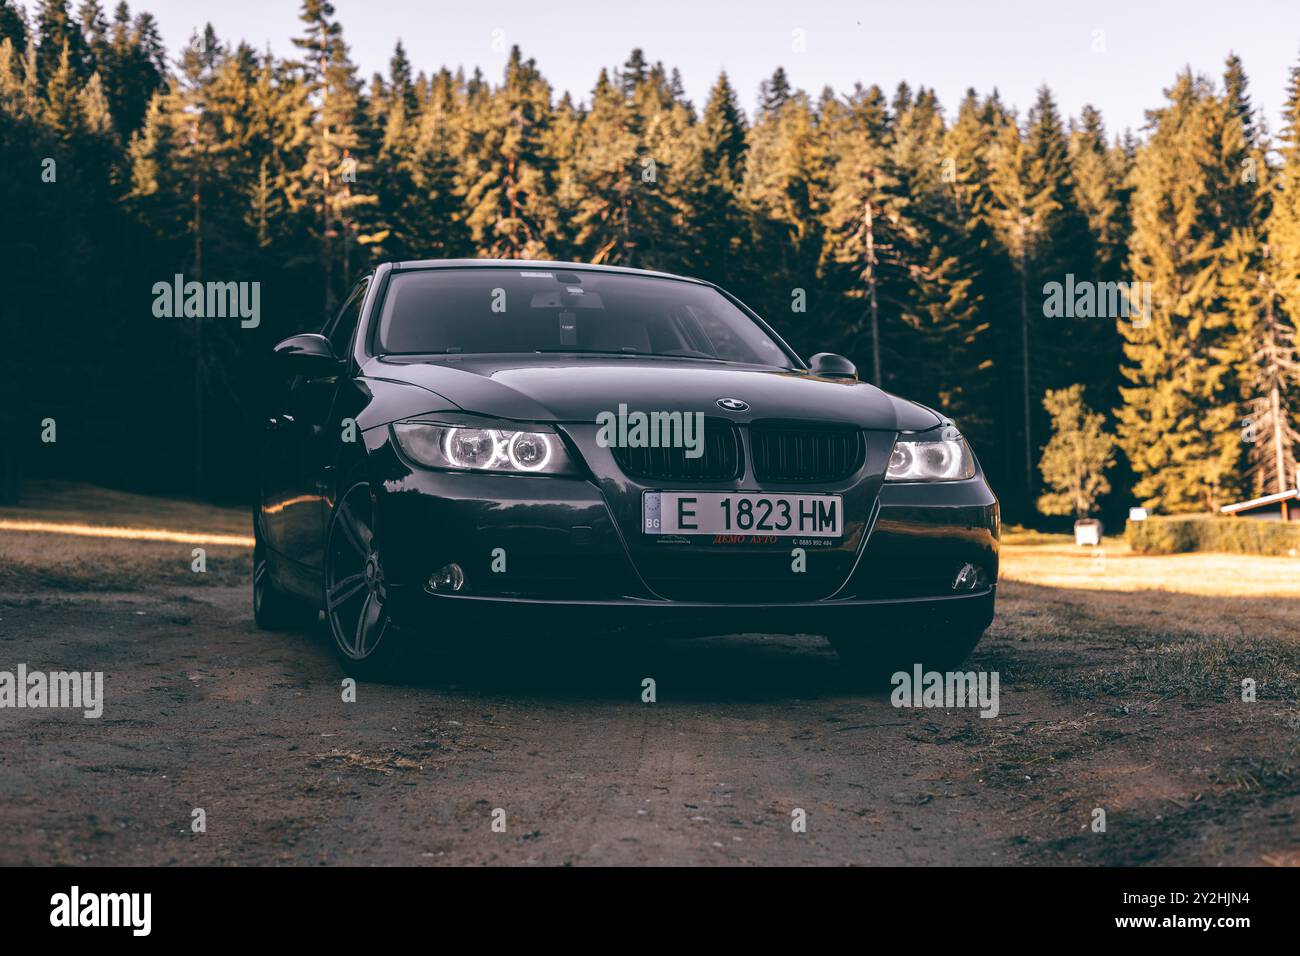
910,617
546,551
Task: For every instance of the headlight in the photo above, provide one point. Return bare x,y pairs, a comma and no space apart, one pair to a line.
471,448
947,459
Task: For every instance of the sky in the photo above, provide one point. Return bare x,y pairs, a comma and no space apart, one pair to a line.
1118,55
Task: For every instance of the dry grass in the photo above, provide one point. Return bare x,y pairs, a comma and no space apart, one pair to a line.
1055,561
56,562
78,503
44,561
1139,627
1146,627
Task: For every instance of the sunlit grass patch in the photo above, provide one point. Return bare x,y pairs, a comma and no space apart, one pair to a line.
1195,668
79,503
46,562
1133,646
83,560
1055,561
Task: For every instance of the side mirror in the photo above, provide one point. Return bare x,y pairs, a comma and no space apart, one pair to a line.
830,365
309,353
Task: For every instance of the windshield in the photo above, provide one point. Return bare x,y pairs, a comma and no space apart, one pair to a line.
547,310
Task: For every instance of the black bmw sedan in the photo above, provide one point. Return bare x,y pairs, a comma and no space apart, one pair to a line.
477,448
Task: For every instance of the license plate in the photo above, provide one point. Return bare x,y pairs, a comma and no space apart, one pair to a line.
708,512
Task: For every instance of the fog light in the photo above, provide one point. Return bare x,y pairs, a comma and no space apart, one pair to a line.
449,577
970,578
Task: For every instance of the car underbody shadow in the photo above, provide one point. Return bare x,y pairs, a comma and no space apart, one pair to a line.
634,666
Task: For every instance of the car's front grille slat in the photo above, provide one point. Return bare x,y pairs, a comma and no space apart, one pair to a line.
719,462
794,452
788,452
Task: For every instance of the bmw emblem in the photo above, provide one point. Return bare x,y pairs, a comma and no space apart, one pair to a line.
732,404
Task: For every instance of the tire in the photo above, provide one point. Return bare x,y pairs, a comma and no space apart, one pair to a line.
367,640
273,609
870,664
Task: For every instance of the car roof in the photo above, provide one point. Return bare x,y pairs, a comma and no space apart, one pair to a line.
414,264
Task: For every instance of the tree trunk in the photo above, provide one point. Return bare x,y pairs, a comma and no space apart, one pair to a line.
1279,454
1024,358
869,223
198,344
327,223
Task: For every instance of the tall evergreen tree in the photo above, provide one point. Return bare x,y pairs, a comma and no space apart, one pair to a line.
335,175
1177,421
129,65
866,221
399,73
55,29
620,214
1273,375
1033,213
774,93
1099,171
717,216
418,206
990,419
13,25
508,175
946,344
785,192
634,74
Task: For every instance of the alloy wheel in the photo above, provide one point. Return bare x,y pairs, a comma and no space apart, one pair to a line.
355,594
260,572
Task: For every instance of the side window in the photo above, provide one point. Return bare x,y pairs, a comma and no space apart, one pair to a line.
340,333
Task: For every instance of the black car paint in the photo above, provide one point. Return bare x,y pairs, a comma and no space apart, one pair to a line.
575,550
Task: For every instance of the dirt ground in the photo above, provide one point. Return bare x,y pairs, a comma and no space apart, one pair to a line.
1113,698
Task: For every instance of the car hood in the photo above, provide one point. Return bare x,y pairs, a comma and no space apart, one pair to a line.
572,389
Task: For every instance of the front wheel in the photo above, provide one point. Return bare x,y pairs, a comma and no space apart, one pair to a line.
367,641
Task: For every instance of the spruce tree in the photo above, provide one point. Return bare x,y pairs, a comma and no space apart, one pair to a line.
1177,421
13,25
335,176
507,173
1077,457
619,211
717,217
418,211
1098,172
944,345
774,93
1033,214
785,194
866,224
1273,377
988,362
55,29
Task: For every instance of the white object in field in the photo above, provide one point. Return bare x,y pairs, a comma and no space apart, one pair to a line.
1087,531
1137,514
